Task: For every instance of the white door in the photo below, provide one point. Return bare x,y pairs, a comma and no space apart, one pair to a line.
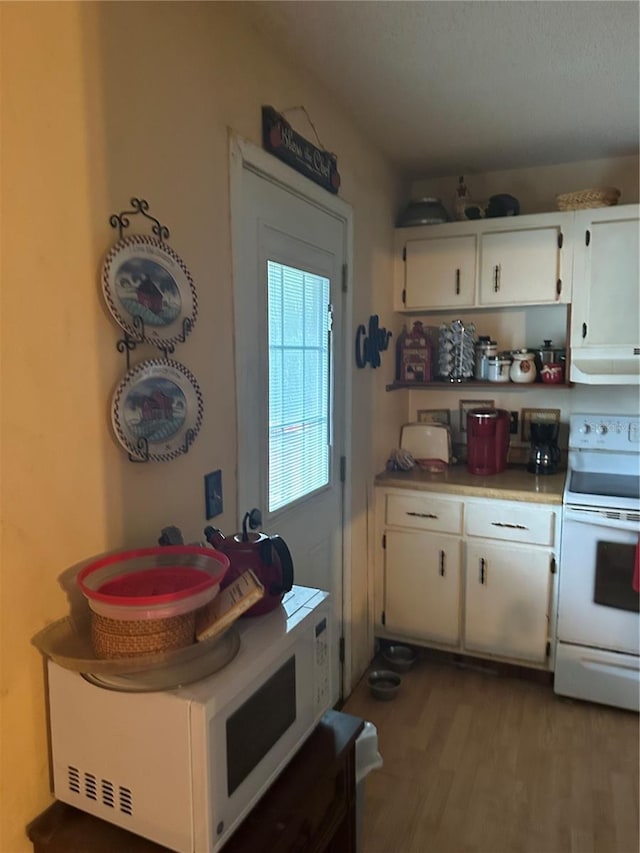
606,307
440,273
596,599
508,589
422,586
289,254
520,267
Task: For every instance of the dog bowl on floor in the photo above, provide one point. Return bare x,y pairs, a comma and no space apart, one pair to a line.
399,658
384,684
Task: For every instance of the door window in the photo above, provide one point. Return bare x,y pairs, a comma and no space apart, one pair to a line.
299,383
614,576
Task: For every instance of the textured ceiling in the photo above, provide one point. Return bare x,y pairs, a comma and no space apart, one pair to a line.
474,86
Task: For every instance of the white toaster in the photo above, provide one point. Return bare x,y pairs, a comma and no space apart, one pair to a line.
427,441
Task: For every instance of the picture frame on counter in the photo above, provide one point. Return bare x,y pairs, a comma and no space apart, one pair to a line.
545,416
434,416
518,454
467,405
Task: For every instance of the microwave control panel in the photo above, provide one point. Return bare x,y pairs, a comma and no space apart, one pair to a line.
322,665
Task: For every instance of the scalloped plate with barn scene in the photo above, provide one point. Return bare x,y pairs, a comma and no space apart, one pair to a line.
149,290
154,407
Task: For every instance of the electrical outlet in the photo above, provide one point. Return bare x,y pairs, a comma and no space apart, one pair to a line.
213,494
514,417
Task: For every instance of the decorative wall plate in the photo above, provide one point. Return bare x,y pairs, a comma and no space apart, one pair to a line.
157,402
149,290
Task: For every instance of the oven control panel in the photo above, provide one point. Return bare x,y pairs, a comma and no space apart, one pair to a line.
605,432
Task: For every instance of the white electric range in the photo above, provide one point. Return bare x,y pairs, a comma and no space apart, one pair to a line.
598,649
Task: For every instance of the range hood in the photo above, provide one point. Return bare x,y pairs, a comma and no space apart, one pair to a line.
605,366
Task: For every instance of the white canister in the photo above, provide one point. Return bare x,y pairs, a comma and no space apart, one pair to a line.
498,368
523,366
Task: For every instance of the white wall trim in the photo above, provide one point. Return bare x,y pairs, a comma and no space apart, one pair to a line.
244,154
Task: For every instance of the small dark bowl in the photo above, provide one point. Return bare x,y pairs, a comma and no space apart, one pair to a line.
399,658
384,684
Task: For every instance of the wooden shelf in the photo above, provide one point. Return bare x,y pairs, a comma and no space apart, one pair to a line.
474,383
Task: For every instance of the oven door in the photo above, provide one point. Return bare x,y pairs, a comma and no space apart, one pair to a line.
597,605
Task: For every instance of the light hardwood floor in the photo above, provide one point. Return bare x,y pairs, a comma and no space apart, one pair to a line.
479,762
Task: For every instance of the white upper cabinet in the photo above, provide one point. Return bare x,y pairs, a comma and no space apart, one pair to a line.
440,272
605,318
522,267
520,260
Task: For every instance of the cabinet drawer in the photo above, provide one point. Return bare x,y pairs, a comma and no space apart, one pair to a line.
515,523
424,512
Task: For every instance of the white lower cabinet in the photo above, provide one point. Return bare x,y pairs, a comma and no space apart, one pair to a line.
507,598
422,586
470,575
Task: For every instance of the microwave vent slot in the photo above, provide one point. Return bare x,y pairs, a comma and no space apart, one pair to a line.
90,786
73,779
107,793
126,801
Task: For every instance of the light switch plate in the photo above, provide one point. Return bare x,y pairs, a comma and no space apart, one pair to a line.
213,494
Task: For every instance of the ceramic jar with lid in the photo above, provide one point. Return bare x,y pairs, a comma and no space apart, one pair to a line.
523,367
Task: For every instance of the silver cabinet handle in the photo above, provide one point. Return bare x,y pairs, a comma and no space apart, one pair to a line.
442,564
422,514
496,278
511,526
457,282
483,569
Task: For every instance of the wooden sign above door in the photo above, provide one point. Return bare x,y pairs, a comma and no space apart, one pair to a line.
280,139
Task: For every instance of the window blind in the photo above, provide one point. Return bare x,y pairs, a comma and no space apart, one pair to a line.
299,391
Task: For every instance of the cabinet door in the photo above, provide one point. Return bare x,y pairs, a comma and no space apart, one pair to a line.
520,267
507,599
440,272
606,307
422,586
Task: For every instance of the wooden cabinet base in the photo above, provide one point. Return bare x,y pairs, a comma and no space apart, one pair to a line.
311,807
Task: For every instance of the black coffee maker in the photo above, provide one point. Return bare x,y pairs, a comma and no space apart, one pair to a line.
544,456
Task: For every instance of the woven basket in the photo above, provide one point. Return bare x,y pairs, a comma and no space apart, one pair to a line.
596,197
123,638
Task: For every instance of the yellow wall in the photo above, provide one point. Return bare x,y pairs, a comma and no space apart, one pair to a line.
102,102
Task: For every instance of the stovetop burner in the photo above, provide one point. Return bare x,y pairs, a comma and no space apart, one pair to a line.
609,485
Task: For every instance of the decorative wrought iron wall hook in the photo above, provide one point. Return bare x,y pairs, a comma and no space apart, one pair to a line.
140,205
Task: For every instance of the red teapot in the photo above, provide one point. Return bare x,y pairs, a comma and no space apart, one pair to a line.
267,556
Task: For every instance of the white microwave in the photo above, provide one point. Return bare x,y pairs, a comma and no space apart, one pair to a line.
183,767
